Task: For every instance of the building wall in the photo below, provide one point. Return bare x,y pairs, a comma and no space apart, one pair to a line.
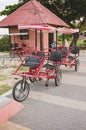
14,39
31,40
45,40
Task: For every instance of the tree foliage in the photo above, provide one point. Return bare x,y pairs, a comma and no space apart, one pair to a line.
72,12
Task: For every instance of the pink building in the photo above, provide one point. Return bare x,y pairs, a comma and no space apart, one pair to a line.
34,20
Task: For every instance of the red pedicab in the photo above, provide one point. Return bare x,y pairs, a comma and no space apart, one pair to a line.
16,49
70,56
41,65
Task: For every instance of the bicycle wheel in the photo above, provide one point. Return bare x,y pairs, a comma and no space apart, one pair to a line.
21,90
77,63
58,77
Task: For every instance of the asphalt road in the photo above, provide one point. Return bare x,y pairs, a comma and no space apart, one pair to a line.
57,108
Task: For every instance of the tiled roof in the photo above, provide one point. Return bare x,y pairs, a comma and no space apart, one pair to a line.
32,13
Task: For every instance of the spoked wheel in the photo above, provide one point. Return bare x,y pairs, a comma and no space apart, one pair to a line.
77,63
58,77
21,90
50,72
32,79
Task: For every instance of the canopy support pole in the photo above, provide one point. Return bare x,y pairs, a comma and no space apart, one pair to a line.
56,39
41,45
36,38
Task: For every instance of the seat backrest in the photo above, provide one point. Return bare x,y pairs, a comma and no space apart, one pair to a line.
31,61
40,55
55,56
74,50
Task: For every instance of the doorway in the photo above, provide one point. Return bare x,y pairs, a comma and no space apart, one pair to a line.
51,39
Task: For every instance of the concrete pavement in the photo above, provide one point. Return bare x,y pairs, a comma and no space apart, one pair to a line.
56,108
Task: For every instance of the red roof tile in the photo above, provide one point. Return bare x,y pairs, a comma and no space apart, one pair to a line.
32,13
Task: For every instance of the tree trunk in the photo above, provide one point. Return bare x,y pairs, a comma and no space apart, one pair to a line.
74,39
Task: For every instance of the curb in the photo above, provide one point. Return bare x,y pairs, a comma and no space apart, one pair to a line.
8,107
9,110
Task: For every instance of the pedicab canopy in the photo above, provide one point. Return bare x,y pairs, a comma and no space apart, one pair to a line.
48,27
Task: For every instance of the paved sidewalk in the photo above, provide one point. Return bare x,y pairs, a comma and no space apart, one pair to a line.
56,108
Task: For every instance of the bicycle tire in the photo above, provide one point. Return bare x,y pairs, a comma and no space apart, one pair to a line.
58,77
77,63
17,93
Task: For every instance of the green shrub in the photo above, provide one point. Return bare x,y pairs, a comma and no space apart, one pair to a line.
5,43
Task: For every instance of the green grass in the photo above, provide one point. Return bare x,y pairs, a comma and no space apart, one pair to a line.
5,77
4,88
79,43
24,68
